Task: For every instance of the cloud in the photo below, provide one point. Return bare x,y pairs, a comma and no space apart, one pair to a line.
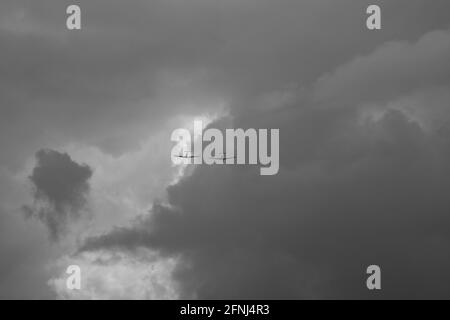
352,190
117,276
119,80
371,194
350,193
61,187
394,69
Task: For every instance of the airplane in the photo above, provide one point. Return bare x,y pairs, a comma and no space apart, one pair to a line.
185,156
224,157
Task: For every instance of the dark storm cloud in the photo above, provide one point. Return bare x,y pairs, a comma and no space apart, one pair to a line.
61,187
351,192
134,65
372,194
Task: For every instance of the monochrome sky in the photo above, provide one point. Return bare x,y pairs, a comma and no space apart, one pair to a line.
86,176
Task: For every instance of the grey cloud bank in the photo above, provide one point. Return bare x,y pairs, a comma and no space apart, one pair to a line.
364,162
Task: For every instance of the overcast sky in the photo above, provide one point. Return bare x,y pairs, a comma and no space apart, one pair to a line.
86,176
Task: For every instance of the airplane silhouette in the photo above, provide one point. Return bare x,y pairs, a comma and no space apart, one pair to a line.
224,157
185,156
